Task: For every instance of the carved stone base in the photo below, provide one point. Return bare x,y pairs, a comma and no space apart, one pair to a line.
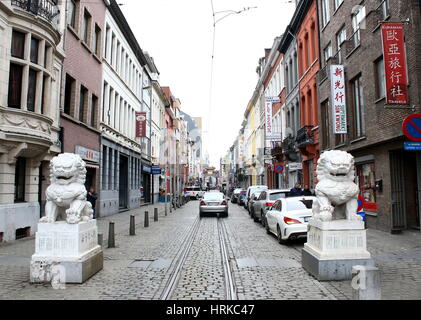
334,247
328,270
66,271
65,251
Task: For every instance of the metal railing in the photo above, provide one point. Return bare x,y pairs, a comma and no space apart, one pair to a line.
288,145
354,41
304,137
46,9
322,73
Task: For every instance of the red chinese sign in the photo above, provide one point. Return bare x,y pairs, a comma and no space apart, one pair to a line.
395,63
140,124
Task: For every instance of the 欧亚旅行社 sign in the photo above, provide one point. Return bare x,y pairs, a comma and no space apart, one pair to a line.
337,75
395,68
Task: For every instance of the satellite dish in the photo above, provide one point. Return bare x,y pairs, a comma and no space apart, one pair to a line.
289,132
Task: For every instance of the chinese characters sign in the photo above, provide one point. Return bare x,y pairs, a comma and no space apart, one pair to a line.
140,124
337,75
395,63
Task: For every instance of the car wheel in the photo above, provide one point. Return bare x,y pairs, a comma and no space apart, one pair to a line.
255,219
262,219
267,227
279,235
200,214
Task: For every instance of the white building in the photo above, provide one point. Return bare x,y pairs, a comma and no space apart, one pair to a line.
123,175
31,59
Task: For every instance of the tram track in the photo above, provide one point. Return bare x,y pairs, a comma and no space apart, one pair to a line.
182,256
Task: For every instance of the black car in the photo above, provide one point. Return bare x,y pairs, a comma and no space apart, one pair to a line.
235,194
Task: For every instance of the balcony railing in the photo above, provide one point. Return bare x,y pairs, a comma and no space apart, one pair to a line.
276,148
353,42
304,137
322,73
288,145
46,9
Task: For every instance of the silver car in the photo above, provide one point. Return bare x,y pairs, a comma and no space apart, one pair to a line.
266,199
213,202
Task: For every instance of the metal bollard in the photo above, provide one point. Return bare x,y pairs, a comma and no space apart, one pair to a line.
146,219
111,235
166,213
155,215
132,226
366,283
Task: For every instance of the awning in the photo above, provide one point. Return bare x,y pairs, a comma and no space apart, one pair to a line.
93,166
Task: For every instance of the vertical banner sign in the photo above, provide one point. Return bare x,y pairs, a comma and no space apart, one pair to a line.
395,67
337,75
268,119
140,124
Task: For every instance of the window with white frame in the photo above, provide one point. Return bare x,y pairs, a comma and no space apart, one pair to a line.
327,52
337,3
357,18
325,12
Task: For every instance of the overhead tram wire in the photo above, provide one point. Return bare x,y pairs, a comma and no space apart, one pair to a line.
229,12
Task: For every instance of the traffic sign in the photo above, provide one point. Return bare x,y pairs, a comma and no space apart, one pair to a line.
279,169
273,99
411,127
412,146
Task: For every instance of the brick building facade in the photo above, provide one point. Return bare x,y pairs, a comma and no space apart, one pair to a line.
82,84
389,177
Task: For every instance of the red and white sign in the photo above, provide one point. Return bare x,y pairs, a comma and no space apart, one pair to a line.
268,119
140,124
395,68
337,76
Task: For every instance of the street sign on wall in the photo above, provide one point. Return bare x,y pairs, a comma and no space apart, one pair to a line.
411,127
87,154
412,146
140,124
337,76
393,39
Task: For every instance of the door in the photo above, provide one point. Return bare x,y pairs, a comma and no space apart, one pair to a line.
123,182
398,218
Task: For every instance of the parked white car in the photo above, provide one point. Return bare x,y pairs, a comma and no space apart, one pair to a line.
288,218
250,191
266,200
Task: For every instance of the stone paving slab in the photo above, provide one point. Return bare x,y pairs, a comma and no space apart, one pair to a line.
263,269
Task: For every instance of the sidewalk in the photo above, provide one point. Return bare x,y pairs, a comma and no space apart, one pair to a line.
398,258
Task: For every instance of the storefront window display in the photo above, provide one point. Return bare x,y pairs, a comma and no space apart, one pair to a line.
366,181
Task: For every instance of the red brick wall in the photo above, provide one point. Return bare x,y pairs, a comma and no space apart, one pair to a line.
80,62
76,134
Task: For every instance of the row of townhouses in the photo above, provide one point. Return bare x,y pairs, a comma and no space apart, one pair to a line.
343,75
73,78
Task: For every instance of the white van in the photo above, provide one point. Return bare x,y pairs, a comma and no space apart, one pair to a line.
250,191
194,192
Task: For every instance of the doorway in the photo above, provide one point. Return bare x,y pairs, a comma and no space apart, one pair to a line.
123,182
405,170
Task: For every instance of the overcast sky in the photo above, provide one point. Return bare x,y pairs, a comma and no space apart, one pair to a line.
178,35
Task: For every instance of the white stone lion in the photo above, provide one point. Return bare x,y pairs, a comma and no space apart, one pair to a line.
336,192
66,196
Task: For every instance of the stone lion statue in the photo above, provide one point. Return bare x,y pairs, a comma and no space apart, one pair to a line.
336,192
66,196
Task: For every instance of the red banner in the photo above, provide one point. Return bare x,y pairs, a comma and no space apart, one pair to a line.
140,124
395,68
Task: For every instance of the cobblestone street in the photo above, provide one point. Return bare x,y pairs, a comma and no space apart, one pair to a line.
140,266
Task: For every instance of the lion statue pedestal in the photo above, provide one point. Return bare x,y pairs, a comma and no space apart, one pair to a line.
66,243
336,238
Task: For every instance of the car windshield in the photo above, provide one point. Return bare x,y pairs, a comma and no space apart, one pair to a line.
277,195
193,189
302,204
256,194
209,196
